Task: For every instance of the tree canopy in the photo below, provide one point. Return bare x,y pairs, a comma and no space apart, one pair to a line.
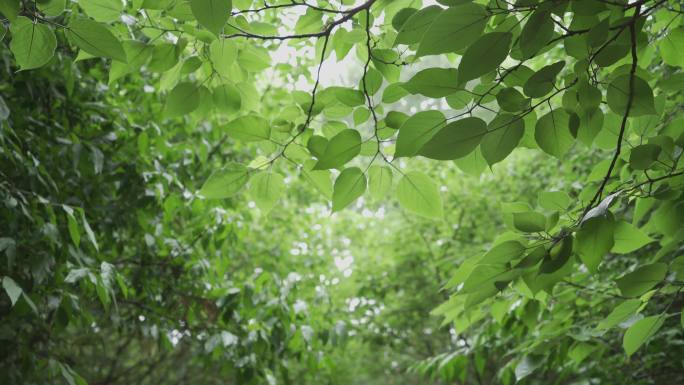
341,192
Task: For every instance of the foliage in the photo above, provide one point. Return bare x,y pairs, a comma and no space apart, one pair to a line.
180,204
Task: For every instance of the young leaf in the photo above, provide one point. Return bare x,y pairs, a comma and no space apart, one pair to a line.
418,194
484,55
433,82
32,44
349,185
249,128
266,188
452,30
640,332
416,131
455,140
226,182
379,181
642,279
211,14
504,134
342,148
95,39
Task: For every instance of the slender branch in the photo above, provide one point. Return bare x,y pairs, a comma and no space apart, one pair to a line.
628,108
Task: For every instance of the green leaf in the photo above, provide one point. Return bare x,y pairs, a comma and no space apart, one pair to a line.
52,7
504,134
642,279
182,100
526,366
503,252
4,110
485,277
643,156
594,239
266,189
536,33
511,100
227,99
452,30
529,221
317,145
88,230
642,102
628,238
254,59
554,200
342,148
348,96
484,55
12,289
640,332
211,14
672,47
589,96
249,128
416,131
33,45
395,119
10,9
95,39
416,24
620,314
74,233
226,182
552,133
418,194
543,81
379,181
349,186
223,53
455,140
433,82
321,180
137,53
102,10
164,57
400,17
